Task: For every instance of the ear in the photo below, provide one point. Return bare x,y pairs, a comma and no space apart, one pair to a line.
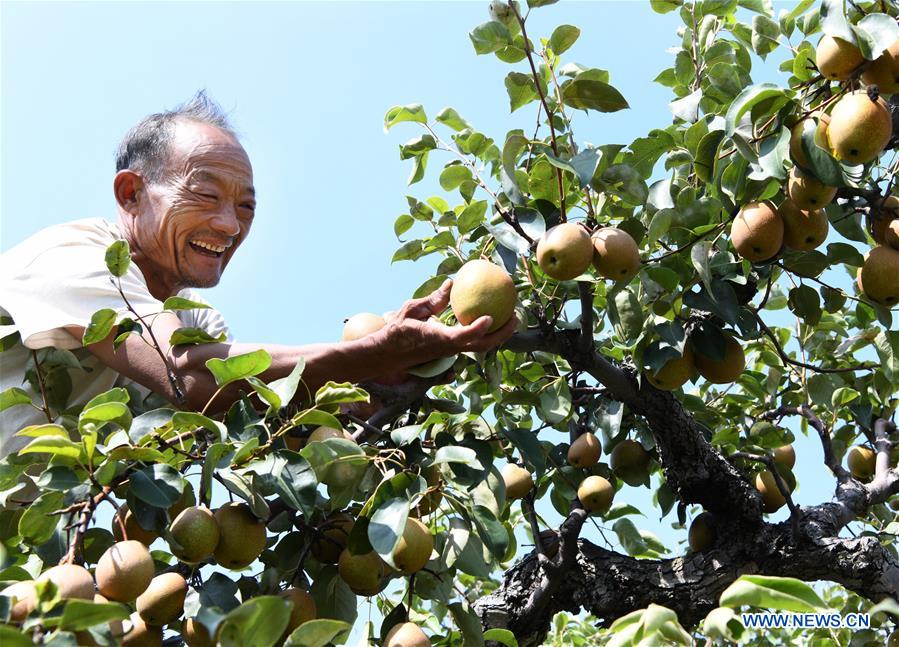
128,187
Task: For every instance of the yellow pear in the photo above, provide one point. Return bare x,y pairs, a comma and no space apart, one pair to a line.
723,371
141,634
821,125
195,534
585,450
596,494
124,571
807,192
406,634
565,251
878,277
785,455
701,535
414,548
772,498
803,230
163,601
483,288
884,70
675,373
615,254
332,537
885,226
134,530
73,582
518,481
24,599
362,325
303,607
324,433
861,461
362,573
837,58
859,128
195,634
630,462
757,232
242,536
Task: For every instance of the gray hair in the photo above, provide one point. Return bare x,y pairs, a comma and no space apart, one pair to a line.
146,146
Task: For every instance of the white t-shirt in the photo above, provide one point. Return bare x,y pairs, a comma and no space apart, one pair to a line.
57,278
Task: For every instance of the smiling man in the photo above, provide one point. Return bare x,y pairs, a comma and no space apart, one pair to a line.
186,202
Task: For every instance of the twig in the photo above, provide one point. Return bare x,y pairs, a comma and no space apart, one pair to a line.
40,381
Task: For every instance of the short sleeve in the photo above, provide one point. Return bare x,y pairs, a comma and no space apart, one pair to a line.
208,319
59,278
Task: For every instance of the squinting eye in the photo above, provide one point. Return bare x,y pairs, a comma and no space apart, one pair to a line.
208,196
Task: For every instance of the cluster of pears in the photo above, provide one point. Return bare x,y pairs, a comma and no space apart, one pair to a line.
675,372
565,252
878,277
772,498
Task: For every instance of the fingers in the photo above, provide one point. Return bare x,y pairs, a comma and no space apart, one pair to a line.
433,304
475,337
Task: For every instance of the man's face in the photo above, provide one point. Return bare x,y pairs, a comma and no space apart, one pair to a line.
196,216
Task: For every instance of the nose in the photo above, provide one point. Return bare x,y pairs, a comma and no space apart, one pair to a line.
225,221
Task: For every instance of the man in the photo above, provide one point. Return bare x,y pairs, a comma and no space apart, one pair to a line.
184,188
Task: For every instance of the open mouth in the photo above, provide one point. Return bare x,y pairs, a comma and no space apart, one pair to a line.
207,249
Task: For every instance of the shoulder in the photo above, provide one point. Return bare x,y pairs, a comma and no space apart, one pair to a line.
66,239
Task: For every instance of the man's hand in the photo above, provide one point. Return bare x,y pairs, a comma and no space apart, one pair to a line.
414,332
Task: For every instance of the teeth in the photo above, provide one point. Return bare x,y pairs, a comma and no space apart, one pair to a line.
213,248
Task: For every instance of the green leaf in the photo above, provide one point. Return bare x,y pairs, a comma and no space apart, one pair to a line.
81,614
875,33
765,35
295,481
191,336
629,537
456,454
521,90
413,112
239,367
450,118
834,22
503,636
687,108
490,37
180,303
469,624
100,326
723,623
53,445
13,397
286,387
37,431
769,592
453,175
387,525
317,633
118,258
117,412
749,98
490,530
588,94
11,637
665,6
822,163
159,485
258,622
339,393
563,37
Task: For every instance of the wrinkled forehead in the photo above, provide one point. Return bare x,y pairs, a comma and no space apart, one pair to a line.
202,147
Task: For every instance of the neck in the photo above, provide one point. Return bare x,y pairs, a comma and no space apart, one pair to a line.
157,283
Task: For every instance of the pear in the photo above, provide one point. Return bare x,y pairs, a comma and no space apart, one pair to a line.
324,433
796,152
837,58
803,230
406,634
362,573
893,640
726,370
772,499
785,455
362,325
195,634
878,277
303,608
483,288
430,501
701,535
73,582
595,494
615,254
884,70
565,251
141,634
331,541
242,537
124,571
757,232
24,599
414,548
518,481
675,373
807,192
163,601
133,529
861,462
195,534
630,462
585,450
885,227
859,128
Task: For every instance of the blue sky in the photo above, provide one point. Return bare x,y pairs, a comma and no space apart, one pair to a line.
307,85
